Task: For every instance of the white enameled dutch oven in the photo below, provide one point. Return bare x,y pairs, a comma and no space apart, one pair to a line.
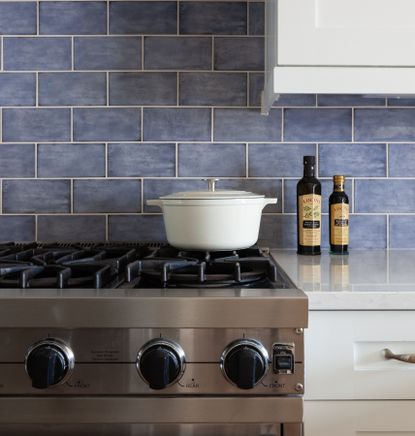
212,220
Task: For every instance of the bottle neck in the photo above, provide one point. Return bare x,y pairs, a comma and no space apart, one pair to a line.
309,170
338,187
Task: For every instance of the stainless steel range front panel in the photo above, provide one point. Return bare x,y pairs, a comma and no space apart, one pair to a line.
105,361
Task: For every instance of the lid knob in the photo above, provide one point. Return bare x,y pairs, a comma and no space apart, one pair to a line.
212,184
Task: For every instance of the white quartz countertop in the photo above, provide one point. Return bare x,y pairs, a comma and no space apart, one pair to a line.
363,280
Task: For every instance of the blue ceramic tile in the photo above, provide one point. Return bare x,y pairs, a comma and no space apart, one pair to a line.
108,53
256,18
401,101
349,100
71,160
41,54
213,18
213,89
106,124
401,160
17,228
385,125
385,195
177,53
290,194
140,228
256,86
278,231
17,18
37,125
278,160
401,231
71,228
17,89
239,53
143,89
107,196
73,18
356,160
246,125
17,160
155,188
143,17
367,232
267,187
212,160
318,125
72,89
36,196
177,124
141,159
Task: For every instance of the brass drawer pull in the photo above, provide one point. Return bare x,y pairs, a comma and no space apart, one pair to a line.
409,358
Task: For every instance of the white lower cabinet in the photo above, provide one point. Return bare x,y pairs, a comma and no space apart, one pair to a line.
359,418
352,389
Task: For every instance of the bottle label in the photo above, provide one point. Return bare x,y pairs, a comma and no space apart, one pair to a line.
309,215
339,225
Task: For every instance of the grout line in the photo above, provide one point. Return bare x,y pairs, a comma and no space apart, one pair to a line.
247,19
1,124
177,151
108,17
246,160
318,159
37,89
36,160
1,196
353,115
212,124
36,230
73,53
282,124
107,78
37,17
387,230
178,89
282,195
72,197
387,160
142,124
248,93
177,17
213,53
106,227
2,52
142,53
106,160
71,125
142,196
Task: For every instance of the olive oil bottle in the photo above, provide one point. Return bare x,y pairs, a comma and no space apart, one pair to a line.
339,217
309,210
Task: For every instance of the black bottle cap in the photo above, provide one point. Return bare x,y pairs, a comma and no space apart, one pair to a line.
309,160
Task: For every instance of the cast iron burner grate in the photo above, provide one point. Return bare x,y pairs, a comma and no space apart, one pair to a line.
129,265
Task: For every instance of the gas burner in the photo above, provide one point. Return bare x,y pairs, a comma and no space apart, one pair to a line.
144,266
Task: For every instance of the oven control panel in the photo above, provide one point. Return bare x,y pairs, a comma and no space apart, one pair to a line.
151,361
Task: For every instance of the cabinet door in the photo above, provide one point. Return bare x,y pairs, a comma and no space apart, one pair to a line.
344,355
359,418
346,32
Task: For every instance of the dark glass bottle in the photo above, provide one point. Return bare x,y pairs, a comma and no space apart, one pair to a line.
339,217
309,210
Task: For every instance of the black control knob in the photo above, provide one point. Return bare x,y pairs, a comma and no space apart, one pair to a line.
160,363
245,362
49,363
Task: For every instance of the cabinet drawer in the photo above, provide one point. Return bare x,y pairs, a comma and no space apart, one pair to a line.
359,418
345,359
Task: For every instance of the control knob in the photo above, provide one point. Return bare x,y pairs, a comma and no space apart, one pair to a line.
160,363
245,362
49,362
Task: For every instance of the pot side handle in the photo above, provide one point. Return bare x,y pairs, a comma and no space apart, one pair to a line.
157,203
270,201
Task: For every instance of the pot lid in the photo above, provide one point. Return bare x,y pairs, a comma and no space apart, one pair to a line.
212,194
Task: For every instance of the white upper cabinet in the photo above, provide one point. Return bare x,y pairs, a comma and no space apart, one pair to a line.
339,46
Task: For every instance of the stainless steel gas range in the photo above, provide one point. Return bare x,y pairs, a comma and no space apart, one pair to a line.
144,339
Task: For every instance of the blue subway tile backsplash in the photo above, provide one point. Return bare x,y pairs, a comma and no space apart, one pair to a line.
106,104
